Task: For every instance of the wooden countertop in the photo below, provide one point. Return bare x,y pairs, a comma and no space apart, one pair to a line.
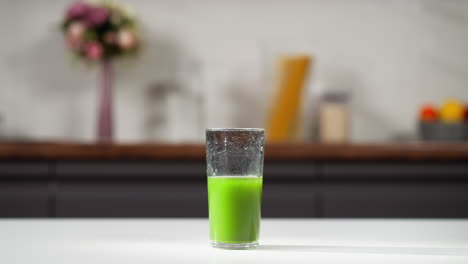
309,151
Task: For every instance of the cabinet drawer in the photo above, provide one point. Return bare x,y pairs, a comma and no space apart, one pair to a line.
289,200
290,171
395,200
24,170
143,199
394,171
24,199
131,170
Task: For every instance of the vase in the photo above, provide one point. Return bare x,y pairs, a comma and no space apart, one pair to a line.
105,114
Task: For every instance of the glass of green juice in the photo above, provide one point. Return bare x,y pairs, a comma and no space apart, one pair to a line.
234,158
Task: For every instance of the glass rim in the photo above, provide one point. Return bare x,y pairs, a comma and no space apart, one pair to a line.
235,129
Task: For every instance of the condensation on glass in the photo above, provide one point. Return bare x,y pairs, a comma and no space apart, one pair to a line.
234,151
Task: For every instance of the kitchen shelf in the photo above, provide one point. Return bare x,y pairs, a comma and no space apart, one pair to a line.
284,152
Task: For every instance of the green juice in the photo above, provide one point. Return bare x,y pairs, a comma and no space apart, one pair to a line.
234,206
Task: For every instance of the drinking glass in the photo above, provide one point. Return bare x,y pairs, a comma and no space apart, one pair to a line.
234,159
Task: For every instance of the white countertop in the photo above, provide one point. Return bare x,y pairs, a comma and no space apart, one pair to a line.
166,241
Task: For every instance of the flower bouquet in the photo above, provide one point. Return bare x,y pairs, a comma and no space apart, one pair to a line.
98,32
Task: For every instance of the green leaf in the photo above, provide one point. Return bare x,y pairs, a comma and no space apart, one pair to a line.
90,35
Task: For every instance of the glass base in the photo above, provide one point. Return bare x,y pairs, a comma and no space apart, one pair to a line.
249,245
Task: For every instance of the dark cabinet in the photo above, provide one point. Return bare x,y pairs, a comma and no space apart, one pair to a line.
25,199
400,200
25,189
177,188
394,171
25,170
131,199
131,170
289,200
290,171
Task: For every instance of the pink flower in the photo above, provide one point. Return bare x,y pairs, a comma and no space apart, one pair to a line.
126,39
97,16
77,10
73,44
76,31
93,50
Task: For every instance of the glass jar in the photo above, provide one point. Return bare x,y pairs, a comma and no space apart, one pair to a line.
334,118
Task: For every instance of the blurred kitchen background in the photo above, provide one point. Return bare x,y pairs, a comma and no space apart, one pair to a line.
384,80
208,64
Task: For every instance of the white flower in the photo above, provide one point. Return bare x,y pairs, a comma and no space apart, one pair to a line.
76,31
126,39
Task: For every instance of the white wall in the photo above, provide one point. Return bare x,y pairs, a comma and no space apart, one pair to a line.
392,55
